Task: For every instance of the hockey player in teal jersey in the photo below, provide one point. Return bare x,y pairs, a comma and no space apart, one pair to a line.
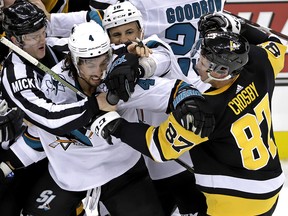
236,166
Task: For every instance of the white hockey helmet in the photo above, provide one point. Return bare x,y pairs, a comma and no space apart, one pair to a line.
87,40
121,13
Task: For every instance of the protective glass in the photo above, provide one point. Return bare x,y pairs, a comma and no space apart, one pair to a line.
34,38
89,65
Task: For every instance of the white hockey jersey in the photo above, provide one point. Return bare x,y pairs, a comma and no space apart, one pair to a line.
80,160
151,99
175,22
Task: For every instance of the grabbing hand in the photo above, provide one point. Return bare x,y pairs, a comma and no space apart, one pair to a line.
191,110
122,78
105,125
218,22
10,122
103,104
139,49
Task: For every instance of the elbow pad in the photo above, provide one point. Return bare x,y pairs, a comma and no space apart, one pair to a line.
147,67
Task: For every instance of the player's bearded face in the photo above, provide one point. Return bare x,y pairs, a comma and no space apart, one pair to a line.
124,33
92,70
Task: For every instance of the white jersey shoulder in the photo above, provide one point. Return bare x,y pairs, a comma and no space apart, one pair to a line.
60,24
175,22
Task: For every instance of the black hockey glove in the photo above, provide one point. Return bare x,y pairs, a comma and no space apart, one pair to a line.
218,22
10,122
122,78
191,110
105,125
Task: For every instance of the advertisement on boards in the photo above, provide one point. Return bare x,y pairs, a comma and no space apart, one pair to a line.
272,14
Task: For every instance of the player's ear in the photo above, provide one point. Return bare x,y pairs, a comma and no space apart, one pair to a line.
14,39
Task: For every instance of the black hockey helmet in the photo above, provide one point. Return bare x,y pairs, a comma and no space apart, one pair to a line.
22,18
226,51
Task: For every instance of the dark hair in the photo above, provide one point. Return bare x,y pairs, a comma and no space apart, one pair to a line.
68,65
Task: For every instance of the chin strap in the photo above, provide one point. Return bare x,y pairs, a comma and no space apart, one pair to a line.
210,77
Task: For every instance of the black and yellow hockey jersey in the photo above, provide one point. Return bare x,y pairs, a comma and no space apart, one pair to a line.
237,167
56,6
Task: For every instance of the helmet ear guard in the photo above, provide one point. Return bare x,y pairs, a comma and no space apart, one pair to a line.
220,69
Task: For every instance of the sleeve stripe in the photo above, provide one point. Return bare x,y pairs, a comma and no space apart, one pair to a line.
151,134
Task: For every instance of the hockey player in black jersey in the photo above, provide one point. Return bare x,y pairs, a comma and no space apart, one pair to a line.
236,165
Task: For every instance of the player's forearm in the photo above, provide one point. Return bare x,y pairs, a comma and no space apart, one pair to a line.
134,134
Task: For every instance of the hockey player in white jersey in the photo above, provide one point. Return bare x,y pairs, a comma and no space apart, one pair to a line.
80,160
175,22
123,23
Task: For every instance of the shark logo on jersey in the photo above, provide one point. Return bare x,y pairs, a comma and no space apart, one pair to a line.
22,84
54,85
117,62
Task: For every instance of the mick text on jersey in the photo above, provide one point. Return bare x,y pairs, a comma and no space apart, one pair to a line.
22,84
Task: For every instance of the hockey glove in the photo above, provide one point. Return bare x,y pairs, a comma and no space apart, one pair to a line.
10,122
191,110
122,77
218,22
105,125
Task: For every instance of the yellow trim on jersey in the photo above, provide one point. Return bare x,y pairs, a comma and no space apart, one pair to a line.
176,88
222,89
276,59
80,209
50,4
99,14
282,143
65,9
173,139
28,136
223,205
